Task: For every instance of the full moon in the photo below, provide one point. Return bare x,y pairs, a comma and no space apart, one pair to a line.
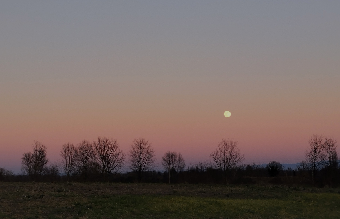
227,114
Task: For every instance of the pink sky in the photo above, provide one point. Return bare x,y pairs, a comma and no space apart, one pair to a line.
167,72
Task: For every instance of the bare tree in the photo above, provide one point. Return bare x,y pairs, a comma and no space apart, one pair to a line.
142,157
322,153
27,163
109,156
200,166
86,159
315,156
180,164
169,161
33,164
227,155
331,154
68,153
172,161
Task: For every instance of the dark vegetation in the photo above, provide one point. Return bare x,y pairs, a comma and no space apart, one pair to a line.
102,161
90,184
160,200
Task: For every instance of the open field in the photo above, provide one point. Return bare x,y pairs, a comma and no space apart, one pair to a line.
111,200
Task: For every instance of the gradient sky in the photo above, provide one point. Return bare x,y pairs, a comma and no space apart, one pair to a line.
166,71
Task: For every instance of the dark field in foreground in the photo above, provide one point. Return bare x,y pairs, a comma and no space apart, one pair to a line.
111,200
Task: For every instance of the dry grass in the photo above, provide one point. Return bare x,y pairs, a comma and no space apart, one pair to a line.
111,200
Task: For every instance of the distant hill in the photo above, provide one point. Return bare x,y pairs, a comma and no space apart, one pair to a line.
292,166
285,166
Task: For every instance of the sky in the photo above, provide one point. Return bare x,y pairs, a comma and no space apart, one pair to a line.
166,71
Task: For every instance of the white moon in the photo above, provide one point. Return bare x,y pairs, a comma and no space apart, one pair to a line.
227,114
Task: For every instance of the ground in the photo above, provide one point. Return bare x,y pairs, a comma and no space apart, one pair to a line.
113,200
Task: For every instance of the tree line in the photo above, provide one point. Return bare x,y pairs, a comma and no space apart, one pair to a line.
103,160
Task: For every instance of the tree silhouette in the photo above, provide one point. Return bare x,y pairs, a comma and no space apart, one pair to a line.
180,164
172,161
142,157
86,159
274,168
109,156
52,172
322,154
68,153
5,173
330,146
169,161
34,163
315,156
227,155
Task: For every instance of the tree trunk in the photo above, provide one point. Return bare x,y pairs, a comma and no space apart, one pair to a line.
139,175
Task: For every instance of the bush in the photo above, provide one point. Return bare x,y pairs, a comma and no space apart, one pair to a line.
274,168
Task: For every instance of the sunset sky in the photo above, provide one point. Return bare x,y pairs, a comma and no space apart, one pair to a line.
166,71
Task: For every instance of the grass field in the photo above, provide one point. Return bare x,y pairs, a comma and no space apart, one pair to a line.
111,200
